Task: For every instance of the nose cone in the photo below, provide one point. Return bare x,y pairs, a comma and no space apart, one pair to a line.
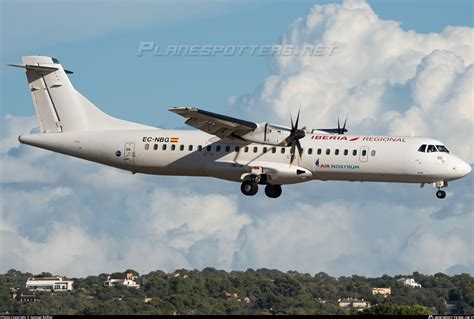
461,168
465,168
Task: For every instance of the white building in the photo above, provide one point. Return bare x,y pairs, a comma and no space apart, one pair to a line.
409,282
127,282
354,303
49,284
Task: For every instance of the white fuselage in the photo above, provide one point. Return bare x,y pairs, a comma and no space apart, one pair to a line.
71,124
195,153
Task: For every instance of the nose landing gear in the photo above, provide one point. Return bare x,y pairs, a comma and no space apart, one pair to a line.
440,193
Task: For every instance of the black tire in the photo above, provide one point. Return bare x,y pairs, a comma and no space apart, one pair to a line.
273,191
441,194
249,188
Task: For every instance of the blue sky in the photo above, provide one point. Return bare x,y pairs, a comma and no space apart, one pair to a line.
400,67
104,56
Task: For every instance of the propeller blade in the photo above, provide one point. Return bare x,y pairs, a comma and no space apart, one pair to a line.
292,151
297,120
344,126
338,126
300,149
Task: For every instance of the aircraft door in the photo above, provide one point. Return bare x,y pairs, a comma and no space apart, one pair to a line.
129,153
364,154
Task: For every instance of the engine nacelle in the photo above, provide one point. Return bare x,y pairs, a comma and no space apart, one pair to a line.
266,133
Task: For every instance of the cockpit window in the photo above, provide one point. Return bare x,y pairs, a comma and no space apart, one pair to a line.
422,148
431,149
442,148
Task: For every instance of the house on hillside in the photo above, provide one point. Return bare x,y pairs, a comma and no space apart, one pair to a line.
409,282
49,284
354,303
129,281
382,291
22,296
227,295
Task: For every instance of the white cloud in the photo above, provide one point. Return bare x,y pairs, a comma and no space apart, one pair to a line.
432,252
10,128
72,217
389,80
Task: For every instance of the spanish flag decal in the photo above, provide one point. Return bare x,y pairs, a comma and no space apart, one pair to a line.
174,139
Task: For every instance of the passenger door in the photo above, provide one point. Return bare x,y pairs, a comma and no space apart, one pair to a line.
129,153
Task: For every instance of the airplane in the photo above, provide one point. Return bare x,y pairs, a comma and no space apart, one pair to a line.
224,147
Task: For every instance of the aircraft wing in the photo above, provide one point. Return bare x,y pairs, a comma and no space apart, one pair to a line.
216,124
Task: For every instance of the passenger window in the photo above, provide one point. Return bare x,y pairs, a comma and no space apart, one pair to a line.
181,147
163,147
354,152
319,151
218,148
328,151
173,147
422,148
431,149
190,148
199,148
274,149
246,149
147,146
336,152
442,148
346,152
264,149
208,148
372,153
310,151
255,149
237,148
283,150
227,148
364,152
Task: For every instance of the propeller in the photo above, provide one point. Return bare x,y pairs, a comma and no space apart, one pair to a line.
293,139
342,130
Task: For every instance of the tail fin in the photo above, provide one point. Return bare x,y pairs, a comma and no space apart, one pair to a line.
59,107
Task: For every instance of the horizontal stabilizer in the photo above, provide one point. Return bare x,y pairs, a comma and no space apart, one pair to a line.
43,69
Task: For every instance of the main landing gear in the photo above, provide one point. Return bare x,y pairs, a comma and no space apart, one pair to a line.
273,191
250,188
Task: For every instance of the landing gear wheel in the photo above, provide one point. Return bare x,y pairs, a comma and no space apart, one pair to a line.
249,188
441,194
273,191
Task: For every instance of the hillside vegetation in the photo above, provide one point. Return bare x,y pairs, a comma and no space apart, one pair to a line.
261,291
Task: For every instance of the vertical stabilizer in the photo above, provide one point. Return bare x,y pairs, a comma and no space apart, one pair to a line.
59,107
